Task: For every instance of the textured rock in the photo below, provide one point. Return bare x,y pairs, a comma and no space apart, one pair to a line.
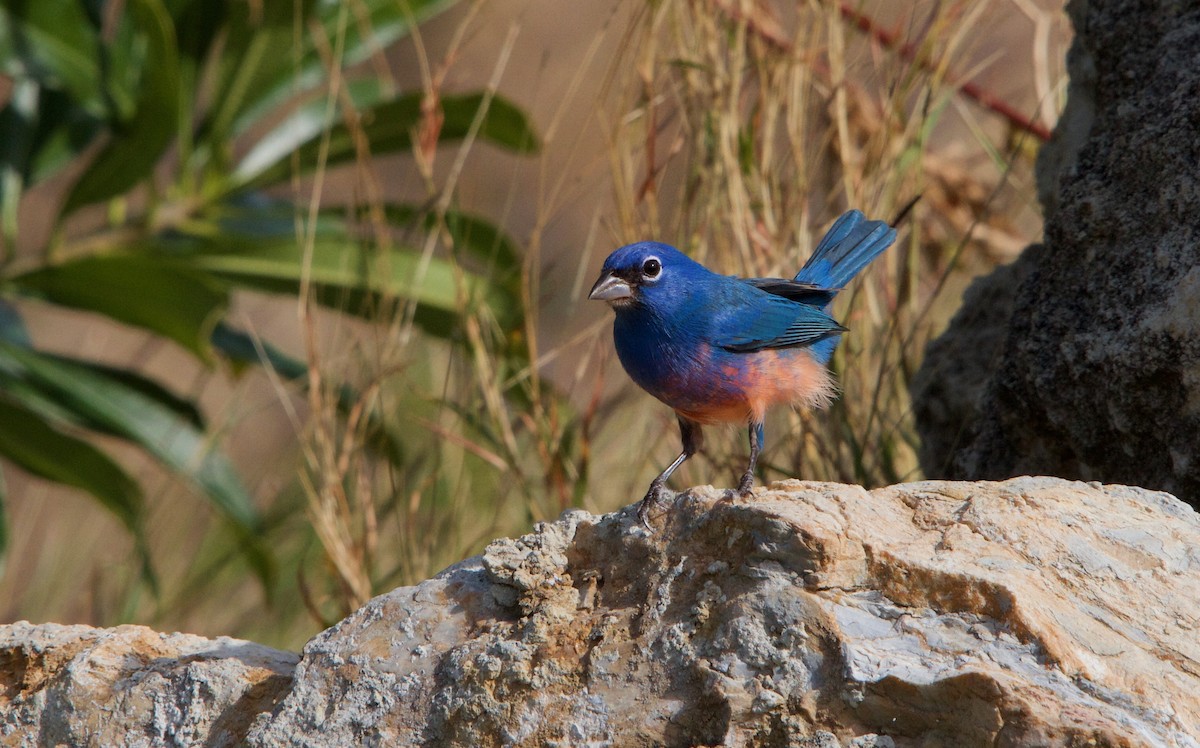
1027,613
1034,612
130,686
1098,371
948,389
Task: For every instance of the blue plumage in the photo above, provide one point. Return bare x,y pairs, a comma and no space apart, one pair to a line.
719,348
848,247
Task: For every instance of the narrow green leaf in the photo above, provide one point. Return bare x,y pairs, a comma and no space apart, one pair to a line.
239,347
53,43
18,122
156,429
300,126
375,24
184,409
135,149
123,61
256,248
372,26
389,127
52,410
12,325
155,293
350,277
505,124
64,130
334,261
197,24
475,234
28,441
259,45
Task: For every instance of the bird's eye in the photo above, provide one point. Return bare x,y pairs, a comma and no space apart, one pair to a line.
651,268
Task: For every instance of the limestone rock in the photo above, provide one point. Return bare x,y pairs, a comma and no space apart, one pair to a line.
1096,373
1033,612
130,686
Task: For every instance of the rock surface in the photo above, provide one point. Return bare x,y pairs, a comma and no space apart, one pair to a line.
1095,371
130,686
1033,612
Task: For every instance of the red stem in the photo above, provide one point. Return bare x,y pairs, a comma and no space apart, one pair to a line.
907,51
970,89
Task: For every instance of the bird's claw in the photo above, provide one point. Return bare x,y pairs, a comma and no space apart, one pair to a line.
652,497
746,485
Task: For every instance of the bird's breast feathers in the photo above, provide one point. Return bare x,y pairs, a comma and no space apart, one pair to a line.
708,384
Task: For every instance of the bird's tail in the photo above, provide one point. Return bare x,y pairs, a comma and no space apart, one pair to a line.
848,247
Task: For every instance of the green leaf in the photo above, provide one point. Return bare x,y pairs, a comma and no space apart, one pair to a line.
18,122
389,127
28,441
239,347
139,143
475,234
53,43
370,28
260,43
382,24
300,126
178,444
350,278
64,129
184,409
197,25
51,409
12,325
155,293
346,275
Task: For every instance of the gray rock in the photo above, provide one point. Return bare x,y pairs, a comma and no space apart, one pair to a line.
1034,612
948,389
1098,372
130,686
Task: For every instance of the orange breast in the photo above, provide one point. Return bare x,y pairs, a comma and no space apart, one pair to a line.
738,388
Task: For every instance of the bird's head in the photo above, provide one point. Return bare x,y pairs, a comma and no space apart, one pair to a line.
642,272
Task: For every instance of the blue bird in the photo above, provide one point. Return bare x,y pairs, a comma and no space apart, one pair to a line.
722,349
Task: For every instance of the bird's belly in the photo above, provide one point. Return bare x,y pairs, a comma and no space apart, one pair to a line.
717,386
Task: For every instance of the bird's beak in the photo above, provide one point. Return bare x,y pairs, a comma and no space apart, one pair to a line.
610,288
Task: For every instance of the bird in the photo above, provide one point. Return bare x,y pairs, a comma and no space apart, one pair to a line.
724,349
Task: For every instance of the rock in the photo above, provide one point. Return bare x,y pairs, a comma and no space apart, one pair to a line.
948,389
1096,377
1033,612
1030,612
130,686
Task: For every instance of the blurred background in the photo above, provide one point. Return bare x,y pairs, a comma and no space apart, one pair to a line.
293,294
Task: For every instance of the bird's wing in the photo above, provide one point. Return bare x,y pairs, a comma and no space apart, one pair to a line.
773,322
805,293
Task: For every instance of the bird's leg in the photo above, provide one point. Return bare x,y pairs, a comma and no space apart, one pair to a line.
756,442
692,437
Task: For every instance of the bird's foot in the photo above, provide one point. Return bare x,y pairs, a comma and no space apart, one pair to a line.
746,485
656,494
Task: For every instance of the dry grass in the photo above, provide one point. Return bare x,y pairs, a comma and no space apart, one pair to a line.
737,134
746,131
